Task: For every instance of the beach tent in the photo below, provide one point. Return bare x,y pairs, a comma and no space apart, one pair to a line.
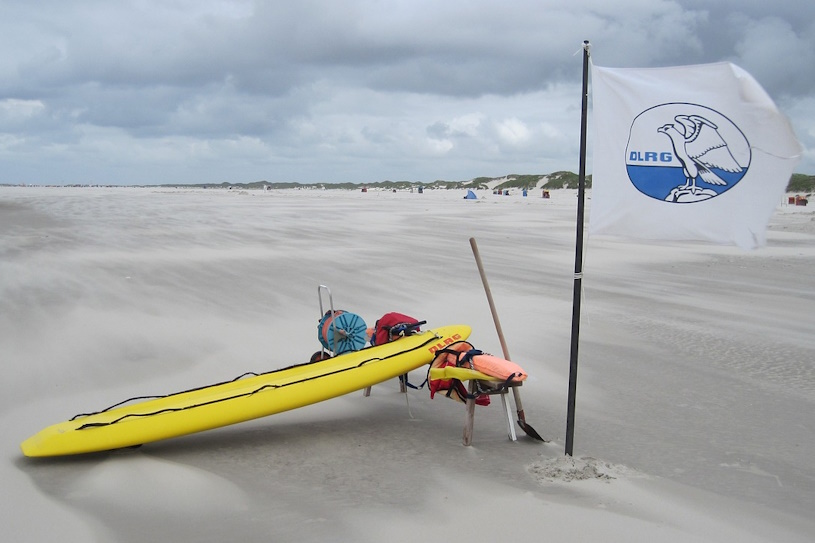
470,195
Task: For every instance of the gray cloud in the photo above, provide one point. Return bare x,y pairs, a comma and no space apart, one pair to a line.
357,90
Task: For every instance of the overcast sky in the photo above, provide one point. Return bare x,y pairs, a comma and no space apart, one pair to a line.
177,91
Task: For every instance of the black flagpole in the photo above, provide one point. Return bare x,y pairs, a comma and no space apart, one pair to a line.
578,257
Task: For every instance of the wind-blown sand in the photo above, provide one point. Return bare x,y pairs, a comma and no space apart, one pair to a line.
695,396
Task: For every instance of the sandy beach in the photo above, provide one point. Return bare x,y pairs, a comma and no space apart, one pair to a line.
695,394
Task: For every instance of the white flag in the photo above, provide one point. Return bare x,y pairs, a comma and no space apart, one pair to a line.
687,153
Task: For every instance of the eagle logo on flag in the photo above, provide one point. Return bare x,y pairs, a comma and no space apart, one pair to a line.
685,153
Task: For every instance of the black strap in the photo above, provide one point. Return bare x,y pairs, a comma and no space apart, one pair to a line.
404,379
466,358
403,329
430,339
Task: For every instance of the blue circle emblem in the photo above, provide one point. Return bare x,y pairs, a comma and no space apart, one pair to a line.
685,153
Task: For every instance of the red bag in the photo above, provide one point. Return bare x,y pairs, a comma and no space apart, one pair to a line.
393,326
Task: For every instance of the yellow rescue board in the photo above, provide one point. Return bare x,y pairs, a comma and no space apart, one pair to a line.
462,374
241,400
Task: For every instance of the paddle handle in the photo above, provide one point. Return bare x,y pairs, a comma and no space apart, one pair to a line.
487,290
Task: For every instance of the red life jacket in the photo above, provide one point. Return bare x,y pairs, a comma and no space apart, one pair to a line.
452,388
